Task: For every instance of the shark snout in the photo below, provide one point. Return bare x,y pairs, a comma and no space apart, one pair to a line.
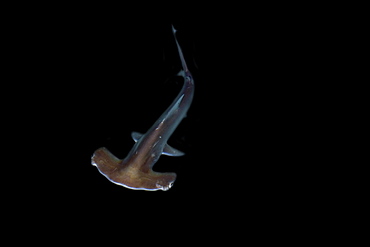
128,174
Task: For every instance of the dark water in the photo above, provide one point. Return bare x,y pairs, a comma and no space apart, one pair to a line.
88,79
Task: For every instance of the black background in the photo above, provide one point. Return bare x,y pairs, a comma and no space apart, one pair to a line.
84,77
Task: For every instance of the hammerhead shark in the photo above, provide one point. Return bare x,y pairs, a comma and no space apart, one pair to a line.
135,171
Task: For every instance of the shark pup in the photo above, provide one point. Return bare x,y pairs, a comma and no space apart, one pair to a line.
135,171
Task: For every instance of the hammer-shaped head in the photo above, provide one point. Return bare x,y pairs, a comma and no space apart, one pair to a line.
130,174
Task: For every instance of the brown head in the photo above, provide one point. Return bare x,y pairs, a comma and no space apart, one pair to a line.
130,174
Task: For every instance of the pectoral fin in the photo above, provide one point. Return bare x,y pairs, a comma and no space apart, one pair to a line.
136,136
170,151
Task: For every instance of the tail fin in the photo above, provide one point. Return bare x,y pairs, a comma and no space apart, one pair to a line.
180,52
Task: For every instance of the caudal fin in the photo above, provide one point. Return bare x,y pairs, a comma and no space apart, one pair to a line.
180,52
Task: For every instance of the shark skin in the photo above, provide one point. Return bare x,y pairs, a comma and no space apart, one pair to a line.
135,171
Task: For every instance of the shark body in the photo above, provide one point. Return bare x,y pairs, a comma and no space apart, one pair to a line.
135,171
